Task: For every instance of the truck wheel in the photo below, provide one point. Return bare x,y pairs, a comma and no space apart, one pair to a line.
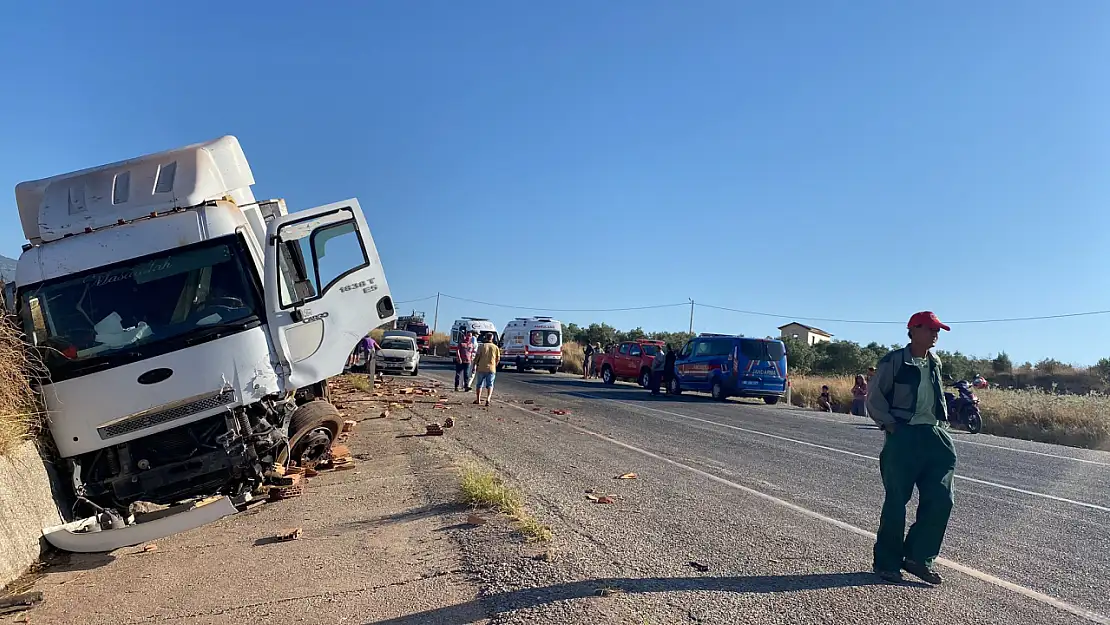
607,375
771,401
718,392
314,427
554,370
645,378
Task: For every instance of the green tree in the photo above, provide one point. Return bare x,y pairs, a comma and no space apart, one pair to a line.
1049,366
1002,363
800,356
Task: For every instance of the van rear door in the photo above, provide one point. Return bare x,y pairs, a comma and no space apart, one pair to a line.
762,365
325,289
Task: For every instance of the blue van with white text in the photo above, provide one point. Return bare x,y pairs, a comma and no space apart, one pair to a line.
731,366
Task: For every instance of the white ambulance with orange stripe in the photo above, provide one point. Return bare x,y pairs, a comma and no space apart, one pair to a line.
533,343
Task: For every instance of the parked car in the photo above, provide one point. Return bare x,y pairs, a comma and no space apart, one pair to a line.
400,353
630,360
731,366
533,343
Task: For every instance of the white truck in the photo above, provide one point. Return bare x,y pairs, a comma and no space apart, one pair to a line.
188,332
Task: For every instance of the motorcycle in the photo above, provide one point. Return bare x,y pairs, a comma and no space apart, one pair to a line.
963,407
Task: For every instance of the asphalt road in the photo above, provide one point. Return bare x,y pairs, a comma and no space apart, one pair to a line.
777,503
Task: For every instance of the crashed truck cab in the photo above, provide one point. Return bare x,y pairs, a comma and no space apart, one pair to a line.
188,332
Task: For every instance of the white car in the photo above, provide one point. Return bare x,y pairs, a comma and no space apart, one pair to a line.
399,353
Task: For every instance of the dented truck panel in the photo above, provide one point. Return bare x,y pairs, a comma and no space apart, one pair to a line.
184,326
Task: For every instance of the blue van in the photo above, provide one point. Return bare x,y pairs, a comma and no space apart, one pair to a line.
731,366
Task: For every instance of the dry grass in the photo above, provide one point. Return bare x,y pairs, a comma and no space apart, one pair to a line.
574,358
1074,420
481,488
21,416
805,391
439,342
358,382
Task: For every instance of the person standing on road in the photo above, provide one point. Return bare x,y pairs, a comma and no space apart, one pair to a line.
657,365
370,347
463,358
668,368
906,399
472,345
588,361
489,354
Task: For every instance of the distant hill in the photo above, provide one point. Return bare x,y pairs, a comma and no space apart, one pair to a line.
7,268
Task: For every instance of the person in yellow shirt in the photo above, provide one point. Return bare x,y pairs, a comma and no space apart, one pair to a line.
489,354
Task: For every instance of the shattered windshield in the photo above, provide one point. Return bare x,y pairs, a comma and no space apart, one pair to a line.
87,321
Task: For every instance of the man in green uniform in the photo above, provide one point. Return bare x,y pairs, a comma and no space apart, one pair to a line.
906,399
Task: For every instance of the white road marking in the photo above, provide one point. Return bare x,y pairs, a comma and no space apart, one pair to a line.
1040,597
845,452
1035,453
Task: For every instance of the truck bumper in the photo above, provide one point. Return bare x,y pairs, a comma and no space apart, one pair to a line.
85,536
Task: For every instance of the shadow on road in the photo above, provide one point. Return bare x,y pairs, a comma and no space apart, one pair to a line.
533,597
413,514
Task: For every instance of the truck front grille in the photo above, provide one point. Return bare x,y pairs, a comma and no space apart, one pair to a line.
157,417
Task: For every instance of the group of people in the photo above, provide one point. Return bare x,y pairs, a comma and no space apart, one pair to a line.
859,395
476,361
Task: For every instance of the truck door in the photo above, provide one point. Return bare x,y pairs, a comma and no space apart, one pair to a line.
325,289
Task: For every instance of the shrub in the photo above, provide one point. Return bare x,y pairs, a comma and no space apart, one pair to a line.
20,413
574,358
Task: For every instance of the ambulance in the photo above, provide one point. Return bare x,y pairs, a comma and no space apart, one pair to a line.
533,343
469,324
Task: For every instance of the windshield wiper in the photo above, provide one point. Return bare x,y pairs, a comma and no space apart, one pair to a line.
208,331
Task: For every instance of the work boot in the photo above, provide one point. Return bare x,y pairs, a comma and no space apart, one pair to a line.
892,577
922,572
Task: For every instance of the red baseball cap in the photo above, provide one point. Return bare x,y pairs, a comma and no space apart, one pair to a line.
928,319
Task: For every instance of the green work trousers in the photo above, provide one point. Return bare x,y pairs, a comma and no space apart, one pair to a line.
922,456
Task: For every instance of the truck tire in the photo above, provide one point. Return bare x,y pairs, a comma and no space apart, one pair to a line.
554,370
770,401
645,378
607,375
313,428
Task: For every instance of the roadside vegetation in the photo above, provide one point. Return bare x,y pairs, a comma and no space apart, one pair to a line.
481,488
20,413
1030,414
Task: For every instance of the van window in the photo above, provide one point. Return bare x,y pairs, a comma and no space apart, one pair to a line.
703,348
687,350
757,349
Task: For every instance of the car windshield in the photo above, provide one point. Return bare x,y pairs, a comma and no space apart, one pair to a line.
86,321
397,343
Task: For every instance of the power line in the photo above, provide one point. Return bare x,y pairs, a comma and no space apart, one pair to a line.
474,301
758,313
419,299
875,322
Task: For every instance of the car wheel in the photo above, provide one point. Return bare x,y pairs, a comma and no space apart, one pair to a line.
718,392
771,401
554,370
607,375
520,365
415,370
645,378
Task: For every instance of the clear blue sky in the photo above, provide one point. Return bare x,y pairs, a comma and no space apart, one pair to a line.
856,160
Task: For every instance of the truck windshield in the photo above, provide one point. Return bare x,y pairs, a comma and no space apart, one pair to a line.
136,309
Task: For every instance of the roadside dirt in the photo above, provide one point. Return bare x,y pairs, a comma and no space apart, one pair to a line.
379,543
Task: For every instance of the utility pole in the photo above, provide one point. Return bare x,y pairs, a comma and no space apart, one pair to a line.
435,320
691,316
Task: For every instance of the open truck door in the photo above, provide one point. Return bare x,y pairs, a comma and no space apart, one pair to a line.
325,289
